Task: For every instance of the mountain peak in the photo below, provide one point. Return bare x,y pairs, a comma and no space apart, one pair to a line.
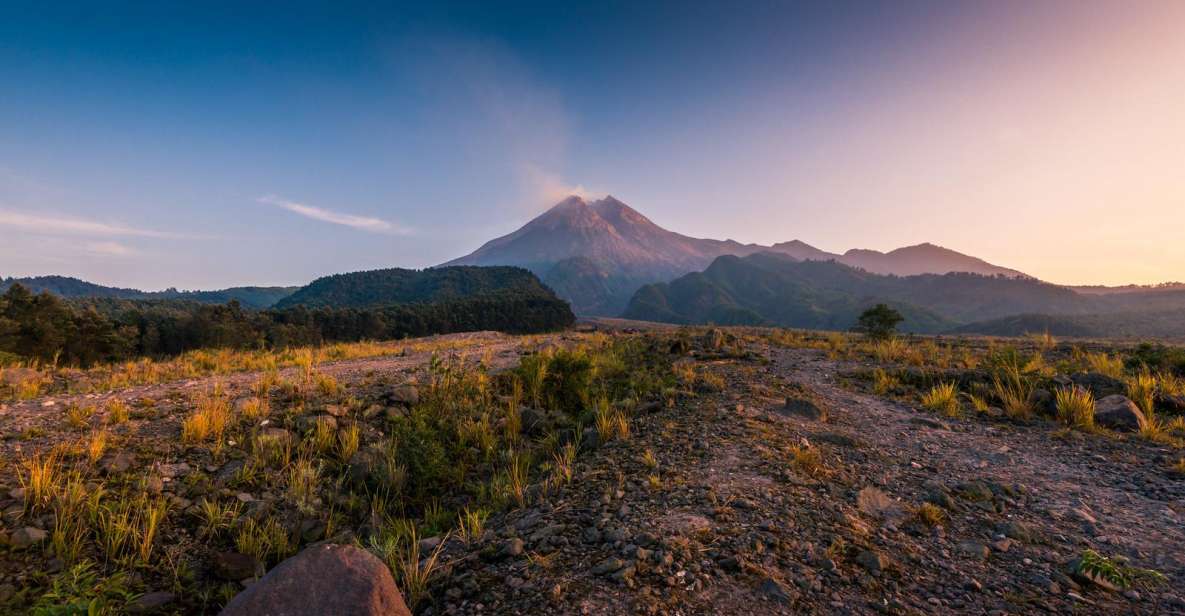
570,202
614,242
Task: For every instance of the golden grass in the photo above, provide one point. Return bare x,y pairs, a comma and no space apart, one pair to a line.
562,462
883,383
930,514
30,380
347,442
471,524
1014,391
943,399
1105,364
40,479
95,446
209,420
255,409
807,459
1075,407
117,411
1141,388
78,416
611,423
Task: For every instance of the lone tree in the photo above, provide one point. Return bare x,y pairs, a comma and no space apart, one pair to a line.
879,322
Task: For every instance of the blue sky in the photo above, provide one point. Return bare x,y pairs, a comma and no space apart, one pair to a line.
203,146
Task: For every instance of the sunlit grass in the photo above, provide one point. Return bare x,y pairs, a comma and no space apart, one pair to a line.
943,399
1075,407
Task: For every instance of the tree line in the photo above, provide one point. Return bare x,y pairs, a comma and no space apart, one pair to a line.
85,332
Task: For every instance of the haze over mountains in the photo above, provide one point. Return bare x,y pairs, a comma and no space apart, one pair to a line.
597,254
607,259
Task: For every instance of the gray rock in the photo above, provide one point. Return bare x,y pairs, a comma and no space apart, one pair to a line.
1118,413
151,602
1100,385
874,562
775,591
1017,530
835,438
117,463
929,422
27,537
405,395
804,407
235,566
327,579
609,565
512,547
974,549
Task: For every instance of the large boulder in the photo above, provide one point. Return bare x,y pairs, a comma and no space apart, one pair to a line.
1118,413
325,579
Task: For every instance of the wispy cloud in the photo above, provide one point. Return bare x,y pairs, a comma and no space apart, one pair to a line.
110,249
37,223
362,223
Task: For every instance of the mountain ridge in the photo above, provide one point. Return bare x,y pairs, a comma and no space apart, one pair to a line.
621,250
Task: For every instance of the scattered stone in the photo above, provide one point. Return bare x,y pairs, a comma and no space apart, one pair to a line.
974,549
327,579
874,562
405,395
116,463
804,407
1117,412
775,591
609,565
27,537
512,547
1099,384
235,566
878,505
928,422
151,602
1017,530
836,438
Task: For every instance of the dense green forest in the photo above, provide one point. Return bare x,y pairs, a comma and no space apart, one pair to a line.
399,286
773,289
85,332
73,288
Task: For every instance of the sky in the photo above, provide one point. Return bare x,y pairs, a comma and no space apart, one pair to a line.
206,145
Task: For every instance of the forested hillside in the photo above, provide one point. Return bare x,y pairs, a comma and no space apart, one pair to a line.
83,332
400,286
767,288
73,288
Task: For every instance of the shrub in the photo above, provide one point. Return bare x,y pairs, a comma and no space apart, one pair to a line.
879,322
1075,407
942,398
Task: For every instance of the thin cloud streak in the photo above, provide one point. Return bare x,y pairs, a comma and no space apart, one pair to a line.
110,249
75,226
362,223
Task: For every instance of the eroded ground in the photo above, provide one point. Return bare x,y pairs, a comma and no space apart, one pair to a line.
722,499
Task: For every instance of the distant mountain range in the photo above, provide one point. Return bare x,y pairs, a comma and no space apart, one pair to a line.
73,288
596,255
775,289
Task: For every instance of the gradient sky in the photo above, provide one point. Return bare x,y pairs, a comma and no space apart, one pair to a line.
200,145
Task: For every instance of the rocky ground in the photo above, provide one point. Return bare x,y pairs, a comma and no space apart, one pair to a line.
773,488
737,516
